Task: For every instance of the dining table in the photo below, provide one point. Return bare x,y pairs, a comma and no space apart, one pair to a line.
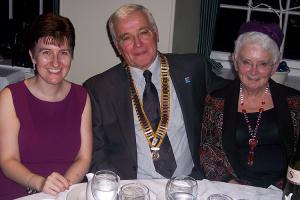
156,187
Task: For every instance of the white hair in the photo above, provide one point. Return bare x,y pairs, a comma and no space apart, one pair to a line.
125,11
262,39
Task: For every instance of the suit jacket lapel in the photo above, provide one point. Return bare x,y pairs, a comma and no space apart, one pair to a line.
183,86
123,108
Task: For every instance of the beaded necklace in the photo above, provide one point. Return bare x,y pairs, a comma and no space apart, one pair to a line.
253,138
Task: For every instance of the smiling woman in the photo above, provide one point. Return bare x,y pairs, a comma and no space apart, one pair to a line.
52,62
51,44
253,118
41,111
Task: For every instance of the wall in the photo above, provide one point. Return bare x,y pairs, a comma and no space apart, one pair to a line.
93,52
186,26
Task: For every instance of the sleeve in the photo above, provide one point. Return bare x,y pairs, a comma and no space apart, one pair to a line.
100,160
213,159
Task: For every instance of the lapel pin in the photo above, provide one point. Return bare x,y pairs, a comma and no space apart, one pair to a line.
187,79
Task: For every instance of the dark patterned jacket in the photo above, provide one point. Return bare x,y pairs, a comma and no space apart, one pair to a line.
218,150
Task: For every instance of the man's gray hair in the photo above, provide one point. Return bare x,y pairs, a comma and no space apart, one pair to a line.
125,11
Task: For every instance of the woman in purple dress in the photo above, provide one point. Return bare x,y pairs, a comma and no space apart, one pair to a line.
45,121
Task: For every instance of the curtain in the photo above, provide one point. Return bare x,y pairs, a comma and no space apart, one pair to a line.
208,16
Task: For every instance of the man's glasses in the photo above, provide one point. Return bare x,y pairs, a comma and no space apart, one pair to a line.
128,39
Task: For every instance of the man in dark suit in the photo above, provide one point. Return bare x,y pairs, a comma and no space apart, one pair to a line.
146,110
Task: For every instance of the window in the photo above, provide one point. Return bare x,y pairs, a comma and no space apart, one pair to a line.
233,13
15,19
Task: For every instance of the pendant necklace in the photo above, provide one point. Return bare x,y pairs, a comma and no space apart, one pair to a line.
253,138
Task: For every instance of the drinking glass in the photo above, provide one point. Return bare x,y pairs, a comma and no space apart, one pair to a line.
181,188
134,191
105,185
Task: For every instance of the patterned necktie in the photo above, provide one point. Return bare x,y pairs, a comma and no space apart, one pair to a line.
166,164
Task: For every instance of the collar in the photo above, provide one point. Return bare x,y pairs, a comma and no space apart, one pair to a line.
154,68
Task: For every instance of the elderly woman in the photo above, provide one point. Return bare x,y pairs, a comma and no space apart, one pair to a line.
45,121
250,128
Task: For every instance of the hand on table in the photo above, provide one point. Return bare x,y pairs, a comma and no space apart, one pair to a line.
233,181
55,183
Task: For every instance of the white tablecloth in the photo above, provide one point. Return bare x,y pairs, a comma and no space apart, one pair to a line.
205,188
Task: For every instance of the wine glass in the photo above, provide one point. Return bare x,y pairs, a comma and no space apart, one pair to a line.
105,185
134,191
181,188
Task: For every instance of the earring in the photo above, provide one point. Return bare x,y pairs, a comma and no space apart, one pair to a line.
34,66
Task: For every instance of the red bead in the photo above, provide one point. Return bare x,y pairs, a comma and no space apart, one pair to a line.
251,158
252,143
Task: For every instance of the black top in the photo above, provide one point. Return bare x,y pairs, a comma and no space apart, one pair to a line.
219,157
266,166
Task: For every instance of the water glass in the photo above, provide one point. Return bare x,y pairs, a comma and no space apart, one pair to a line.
134,191
105,185
181,188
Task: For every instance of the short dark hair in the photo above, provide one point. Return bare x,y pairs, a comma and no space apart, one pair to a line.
54,29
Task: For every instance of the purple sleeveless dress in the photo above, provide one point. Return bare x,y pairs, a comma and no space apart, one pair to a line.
49,136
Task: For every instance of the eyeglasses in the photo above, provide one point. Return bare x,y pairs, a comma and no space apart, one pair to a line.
128,39
248,64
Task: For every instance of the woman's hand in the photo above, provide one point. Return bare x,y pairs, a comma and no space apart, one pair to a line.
233,181
54,184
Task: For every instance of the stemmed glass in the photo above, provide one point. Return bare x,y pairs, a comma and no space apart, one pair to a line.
182,188
105,185
134,191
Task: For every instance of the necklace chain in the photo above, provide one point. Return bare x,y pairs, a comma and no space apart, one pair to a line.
155,139
252,132
253,138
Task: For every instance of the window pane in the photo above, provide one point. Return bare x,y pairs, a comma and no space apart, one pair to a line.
3,10
295,3
12,37
228,24
25,11
50,6
292,44
267,17
229,20
5,46
235,2
274,4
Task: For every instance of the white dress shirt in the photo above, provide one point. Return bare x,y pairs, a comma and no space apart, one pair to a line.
176,129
